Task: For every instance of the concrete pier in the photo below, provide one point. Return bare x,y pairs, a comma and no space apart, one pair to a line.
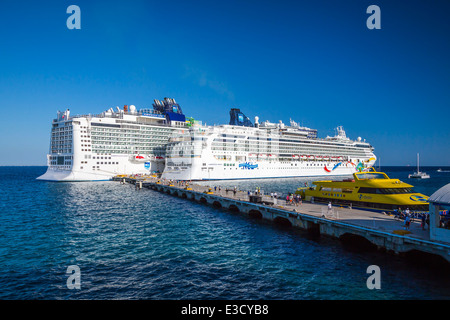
383,232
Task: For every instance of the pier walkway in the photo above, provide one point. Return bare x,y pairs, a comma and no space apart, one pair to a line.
383,231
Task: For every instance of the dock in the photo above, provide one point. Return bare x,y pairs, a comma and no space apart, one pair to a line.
380,231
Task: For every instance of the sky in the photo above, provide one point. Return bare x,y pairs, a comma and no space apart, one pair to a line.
316,62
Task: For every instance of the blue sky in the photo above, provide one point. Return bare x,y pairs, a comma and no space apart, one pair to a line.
313,61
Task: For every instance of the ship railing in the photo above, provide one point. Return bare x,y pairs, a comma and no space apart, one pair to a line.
90,115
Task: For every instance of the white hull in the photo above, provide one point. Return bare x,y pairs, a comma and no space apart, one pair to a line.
124,166
264,170
70,175
421,175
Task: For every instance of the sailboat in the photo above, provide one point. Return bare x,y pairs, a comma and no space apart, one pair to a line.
418,174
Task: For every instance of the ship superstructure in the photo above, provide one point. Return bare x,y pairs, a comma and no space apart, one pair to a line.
117,141
243,150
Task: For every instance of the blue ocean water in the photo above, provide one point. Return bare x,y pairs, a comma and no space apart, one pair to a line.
143,244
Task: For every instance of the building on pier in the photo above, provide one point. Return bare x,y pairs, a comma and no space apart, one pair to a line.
440,214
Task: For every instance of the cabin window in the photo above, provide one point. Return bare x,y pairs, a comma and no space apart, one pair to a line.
385,190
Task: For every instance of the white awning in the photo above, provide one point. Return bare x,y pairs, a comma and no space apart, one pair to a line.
442,196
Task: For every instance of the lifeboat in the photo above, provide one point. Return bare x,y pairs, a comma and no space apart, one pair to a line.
139,158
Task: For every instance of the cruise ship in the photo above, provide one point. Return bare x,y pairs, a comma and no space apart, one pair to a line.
117,141
243,150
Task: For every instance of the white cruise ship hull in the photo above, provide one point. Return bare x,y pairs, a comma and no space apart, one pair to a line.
70,175
235,152
107,171
263,170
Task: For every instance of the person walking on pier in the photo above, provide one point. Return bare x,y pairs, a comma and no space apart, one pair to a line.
329,207
407,221
423,218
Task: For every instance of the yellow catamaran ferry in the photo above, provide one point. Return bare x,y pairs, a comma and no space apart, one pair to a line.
370,190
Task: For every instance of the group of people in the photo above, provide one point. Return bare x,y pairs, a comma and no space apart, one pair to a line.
444,220
294,199
407,217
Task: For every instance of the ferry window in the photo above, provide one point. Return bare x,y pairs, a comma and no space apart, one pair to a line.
385,190
367,190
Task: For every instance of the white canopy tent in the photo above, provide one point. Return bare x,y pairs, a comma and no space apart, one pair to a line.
440,200
442,196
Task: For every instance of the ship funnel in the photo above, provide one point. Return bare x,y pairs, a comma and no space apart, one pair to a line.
237,118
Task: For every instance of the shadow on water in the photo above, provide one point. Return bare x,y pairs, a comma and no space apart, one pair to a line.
428,260
355,243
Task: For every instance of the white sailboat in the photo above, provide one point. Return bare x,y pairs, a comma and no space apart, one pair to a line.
418,174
